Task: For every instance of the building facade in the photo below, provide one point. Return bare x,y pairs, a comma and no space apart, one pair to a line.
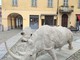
35,13
0,18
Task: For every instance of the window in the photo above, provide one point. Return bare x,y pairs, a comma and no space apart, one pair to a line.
66,3
14,2
34,21
78,3
34,3
50,3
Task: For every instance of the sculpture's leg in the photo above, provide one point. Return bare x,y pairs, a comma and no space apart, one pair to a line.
70,45
52,54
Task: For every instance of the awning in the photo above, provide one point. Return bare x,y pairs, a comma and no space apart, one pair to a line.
78,15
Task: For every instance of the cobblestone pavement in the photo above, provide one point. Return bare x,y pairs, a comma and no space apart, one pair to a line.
75,56
76,35
8,34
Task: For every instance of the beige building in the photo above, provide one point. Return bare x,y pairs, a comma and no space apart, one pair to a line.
0,14
0,18
35,13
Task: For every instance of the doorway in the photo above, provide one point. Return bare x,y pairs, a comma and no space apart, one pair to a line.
64,20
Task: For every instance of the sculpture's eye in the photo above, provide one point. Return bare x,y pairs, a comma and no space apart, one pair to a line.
22,33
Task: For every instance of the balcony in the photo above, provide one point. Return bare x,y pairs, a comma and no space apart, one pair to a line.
64,9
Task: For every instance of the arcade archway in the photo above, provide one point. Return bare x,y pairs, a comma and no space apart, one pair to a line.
15,21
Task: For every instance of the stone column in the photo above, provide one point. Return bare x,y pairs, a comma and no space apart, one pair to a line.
13,23
9,23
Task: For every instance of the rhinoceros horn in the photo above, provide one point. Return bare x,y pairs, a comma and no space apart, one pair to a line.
11,53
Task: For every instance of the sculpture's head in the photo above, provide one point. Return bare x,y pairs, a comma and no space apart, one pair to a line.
25,36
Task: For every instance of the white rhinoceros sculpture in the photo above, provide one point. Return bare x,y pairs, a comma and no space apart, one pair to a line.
46,38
